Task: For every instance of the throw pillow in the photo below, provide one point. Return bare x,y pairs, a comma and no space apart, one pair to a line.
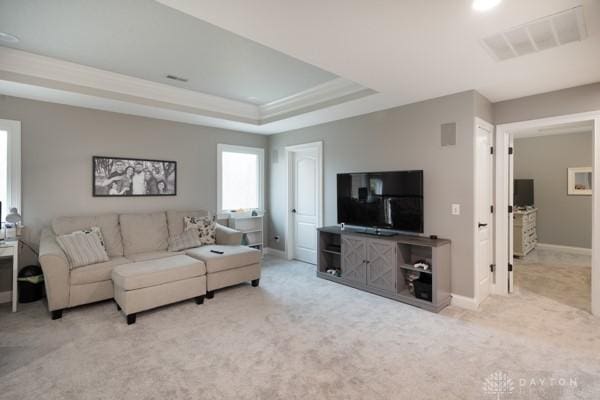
187,240
83,247
96,230
205,226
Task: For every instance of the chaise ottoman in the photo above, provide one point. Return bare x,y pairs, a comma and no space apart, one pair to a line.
149,284
228,265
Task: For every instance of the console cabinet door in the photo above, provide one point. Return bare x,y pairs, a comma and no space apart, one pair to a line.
354,255
381,264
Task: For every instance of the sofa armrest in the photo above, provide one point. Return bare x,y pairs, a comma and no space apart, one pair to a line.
226,235
55,266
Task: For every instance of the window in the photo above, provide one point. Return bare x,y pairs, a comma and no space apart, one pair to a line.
10,165
240,182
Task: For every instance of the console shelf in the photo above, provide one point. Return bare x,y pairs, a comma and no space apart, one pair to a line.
384,265
412,268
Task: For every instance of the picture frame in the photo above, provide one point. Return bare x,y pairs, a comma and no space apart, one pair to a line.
133,177
579,181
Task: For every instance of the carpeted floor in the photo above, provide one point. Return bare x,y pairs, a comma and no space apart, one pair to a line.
556,275
300,337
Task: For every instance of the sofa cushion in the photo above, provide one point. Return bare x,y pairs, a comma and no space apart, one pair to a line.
187,240
96,272
156,272
232,257
175,220
83,247
108,224
143,233
153,255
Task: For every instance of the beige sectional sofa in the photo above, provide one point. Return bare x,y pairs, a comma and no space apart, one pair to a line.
132,239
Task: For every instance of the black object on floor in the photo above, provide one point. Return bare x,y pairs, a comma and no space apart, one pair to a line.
217,251
31,284
131,319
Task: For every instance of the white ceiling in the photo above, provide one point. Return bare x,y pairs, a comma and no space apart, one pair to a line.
147,40
406,51
413,49
559,129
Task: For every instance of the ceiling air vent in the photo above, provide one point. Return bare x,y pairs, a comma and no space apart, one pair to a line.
540,34
177,78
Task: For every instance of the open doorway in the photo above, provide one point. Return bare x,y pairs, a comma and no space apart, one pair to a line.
548,215
552,216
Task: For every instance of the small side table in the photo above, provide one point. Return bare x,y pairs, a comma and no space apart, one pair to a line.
10,248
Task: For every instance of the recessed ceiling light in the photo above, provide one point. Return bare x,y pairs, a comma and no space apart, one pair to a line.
7,37
485,5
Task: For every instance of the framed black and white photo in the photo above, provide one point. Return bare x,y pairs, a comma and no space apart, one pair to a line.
580,181
132,177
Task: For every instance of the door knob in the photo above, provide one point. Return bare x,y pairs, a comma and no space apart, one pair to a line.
480,225
294,210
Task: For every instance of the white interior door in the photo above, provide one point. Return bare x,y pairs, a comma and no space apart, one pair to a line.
305,204
484,200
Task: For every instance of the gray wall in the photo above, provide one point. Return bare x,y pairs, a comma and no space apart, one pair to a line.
561,102
562,220
402,138
58,143
483,108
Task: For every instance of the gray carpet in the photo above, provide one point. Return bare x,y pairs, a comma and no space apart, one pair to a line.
300,337
559,276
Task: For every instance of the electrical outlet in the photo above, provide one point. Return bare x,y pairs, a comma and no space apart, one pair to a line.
455,209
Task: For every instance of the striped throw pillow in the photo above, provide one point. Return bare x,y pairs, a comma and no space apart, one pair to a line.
186,240
83,247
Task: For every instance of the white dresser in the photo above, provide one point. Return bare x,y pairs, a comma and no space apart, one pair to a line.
525,233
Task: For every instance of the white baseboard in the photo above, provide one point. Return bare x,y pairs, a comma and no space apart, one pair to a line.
274,252
566,249
6,297
467,303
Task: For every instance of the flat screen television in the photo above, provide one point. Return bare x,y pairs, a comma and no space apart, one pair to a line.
523,193
387,200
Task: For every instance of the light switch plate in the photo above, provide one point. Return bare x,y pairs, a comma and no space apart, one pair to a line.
455,209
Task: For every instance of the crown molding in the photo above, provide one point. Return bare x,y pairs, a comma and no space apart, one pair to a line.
23,74
33,65
91,100
335,89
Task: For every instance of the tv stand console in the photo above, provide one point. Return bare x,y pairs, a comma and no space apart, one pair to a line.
385,265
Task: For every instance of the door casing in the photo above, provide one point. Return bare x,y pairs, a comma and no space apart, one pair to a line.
502,254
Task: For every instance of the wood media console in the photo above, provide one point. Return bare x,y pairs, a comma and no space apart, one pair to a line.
385,265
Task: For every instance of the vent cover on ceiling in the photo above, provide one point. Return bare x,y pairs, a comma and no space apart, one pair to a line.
540,34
